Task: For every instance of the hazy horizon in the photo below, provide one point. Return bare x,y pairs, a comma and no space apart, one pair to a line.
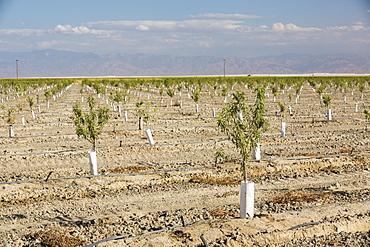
187,28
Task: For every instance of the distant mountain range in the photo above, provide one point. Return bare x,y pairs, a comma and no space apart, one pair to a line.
55,63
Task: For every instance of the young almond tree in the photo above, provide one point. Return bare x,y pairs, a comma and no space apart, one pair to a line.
144,113
89,125
47,95
367,115
196,97
244,124
326,99
171,93
117,97
244,132
10,119
30,102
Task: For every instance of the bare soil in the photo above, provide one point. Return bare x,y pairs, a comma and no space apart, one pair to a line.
312,188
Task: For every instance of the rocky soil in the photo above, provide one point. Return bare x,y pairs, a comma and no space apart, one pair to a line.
312,188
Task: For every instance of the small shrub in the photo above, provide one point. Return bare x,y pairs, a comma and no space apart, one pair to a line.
282,107
89,125
326,99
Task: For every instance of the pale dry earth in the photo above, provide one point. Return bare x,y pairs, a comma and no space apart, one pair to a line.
312,187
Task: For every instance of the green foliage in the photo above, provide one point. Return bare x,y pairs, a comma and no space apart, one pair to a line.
116,96
30,101
245,133
320,89
282,107
312,83
20,106
89,125
99,88
326,99
220,155
179,87
168,82
143,111
47,95
161,91
298,86
196,95
10,118
224,91
367,114
274,90
170,92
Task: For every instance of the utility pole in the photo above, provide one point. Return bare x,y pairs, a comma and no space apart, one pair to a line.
16,67
224,67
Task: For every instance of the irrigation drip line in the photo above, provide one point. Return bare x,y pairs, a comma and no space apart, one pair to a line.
167,127
151,232
305,224
158,144
317,157
174,127
324,120
32,136
163,144
197,117
180,169
110,131
121,145
161,171
35,124
340,134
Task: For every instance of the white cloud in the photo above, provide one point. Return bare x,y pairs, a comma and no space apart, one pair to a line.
23,32
360,40
80,30
142,28
59,44
165,26
216,32
133,25
63,28
357,26
278,27
337,28
47,44
292,28
172,40
224,16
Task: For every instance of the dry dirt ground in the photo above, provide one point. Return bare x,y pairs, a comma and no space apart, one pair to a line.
312,188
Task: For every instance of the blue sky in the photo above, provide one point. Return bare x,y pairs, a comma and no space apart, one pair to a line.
187,27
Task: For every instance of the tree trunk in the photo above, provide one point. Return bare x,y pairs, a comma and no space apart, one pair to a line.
140,123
